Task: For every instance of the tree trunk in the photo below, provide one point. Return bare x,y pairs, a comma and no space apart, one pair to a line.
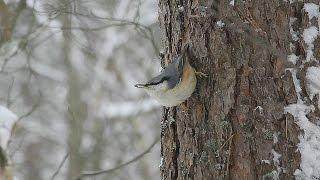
7,23
77,111
234,125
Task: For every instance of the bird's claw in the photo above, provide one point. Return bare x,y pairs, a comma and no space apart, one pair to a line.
201,74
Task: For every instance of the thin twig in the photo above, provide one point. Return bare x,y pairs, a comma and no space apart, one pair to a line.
60,166
9,93
144,29
15,125
95,173
34,107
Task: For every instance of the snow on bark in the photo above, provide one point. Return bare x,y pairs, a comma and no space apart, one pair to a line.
312,9
309,35
293,58
313,77
309,146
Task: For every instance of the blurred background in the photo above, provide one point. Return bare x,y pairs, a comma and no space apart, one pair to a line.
67,69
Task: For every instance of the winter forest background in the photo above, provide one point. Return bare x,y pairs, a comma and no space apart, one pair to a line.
68,105
67,70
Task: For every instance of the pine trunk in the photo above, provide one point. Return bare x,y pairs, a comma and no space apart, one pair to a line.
234,126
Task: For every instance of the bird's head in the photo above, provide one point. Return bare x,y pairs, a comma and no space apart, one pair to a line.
155,85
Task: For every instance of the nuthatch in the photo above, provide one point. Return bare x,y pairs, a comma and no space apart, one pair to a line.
174,84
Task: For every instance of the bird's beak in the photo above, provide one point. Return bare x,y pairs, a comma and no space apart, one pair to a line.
140,85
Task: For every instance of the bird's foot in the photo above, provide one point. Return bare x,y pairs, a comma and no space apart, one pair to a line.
201,74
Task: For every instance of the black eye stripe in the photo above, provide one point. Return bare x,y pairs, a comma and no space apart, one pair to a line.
156,83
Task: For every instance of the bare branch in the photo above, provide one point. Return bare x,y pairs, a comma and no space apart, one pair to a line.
95,173
144,29
34,107
9,102
60,166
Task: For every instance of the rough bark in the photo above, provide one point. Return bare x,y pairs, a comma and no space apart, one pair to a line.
234,124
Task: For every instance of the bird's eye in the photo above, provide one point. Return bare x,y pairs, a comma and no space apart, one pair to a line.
165,79
161,81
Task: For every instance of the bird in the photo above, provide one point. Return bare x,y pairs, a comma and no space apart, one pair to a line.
175,84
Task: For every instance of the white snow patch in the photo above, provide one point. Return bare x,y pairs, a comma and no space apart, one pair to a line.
313,78
309,145
7,120
232,3
312,10
293,58
309,35
220,24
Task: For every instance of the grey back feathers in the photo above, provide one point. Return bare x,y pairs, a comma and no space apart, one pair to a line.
172,74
